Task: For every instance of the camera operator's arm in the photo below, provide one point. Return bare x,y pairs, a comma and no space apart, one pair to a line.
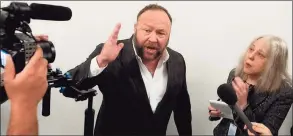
25,90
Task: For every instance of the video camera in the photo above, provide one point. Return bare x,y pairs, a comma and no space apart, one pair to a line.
22,45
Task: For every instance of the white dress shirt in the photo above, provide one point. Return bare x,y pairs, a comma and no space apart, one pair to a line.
155,85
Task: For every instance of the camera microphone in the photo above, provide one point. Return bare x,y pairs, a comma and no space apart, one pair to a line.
40,11
50,12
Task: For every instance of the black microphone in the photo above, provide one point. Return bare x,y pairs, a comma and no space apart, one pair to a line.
50,12
228,95
40,11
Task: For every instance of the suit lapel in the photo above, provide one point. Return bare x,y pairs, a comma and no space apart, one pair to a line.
171,74
139,85
171,78
130,63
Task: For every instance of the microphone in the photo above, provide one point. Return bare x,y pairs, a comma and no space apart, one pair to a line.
40,11
228,95
50,12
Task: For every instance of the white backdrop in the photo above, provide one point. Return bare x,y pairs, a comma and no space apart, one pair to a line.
210,35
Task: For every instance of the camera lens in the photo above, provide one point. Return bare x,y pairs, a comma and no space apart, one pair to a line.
49,52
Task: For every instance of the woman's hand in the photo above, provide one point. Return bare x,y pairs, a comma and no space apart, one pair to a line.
214,112
241,90
259,128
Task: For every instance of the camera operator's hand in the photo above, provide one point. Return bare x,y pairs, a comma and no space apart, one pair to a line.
110,50
25,90
29,86
41,37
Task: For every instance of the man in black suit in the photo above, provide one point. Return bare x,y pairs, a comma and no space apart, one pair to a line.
141,79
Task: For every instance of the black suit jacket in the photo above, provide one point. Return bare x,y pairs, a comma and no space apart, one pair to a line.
125,109
269,109
3,95
291,131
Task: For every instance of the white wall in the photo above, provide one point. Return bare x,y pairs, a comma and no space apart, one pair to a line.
210,35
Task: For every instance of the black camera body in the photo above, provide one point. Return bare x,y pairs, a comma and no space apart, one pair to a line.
23,49
22,45
17,40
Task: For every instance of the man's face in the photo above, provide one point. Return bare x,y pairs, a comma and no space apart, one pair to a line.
152,33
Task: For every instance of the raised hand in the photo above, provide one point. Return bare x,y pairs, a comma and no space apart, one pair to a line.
111,49
241,90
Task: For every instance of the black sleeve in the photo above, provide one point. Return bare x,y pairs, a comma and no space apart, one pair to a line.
182,111
277,112
81,72
83,69
3,95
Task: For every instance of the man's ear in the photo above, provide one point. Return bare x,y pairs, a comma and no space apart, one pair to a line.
134,27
